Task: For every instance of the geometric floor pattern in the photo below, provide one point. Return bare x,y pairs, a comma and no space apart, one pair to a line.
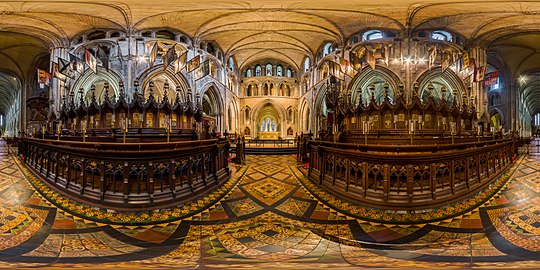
269,220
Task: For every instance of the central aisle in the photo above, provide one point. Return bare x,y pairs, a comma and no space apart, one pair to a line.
267,220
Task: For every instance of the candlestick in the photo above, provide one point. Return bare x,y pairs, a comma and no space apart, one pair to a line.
83,127
168,127
411,130
452,130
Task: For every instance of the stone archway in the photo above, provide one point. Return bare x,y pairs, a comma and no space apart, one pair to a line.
274,121
269,123
496,119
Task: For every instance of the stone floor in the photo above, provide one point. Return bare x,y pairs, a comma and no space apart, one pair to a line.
268,216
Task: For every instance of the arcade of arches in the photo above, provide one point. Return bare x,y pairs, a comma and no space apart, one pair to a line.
139,135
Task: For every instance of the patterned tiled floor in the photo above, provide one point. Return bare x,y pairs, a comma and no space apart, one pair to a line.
267,219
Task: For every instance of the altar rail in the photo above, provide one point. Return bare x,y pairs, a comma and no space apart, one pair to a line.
128,176
408,177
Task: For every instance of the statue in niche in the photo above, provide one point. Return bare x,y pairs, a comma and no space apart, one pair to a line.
289,131
247,131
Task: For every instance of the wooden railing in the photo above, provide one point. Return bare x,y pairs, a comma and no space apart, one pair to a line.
131,175
408,177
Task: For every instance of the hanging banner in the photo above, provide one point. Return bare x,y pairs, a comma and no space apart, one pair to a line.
193,63
206,68
153,54
103,56
447,61
480,71
466,60
64,66
346,67
90,60
56,73
44,77
169,57
356,62
433,57
76,64
372,61
490,79
180,63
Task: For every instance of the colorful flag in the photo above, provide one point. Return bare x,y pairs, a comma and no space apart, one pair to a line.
90,60
433,57
153,54
193,63
386,54
335,69
447,61
212,70
361,52
378,51
372,61
491,78
356,62
206,68
119,53
56,73
169,57
44,77
180,63
76,64
64,67
471,69
466,60
480,71
346,67
103,56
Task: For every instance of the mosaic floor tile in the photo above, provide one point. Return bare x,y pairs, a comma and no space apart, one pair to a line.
265,218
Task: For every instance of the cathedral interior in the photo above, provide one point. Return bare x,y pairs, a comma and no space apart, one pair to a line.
269,135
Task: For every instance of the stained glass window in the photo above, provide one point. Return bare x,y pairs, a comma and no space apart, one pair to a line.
258,71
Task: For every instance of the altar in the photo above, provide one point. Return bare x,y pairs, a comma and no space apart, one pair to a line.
269,135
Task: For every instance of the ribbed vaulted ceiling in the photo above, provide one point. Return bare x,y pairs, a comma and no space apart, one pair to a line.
253,30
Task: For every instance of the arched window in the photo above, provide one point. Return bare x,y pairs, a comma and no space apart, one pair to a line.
437,91
248,72
165,34
268,70
492,79
210,49
96,35
372,35
258,71
231,63
279,71
289,73
327,49
441,35
306,64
